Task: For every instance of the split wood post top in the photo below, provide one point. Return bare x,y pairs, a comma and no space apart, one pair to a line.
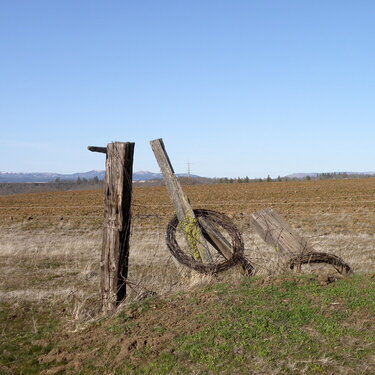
117,221
181,204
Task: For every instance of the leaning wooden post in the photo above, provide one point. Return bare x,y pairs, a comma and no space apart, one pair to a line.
185,214
275,231
295,250
197,244
117,219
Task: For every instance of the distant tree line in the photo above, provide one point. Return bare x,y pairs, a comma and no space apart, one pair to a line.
80,180
341,175
246,180
319,176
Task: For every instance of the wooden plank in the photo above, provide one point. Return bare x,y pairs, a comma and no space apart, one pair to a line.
116,228
216,238
275,231
197,244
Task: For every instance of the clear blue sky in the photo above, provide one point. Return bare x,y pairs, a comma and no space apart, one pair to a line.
236,87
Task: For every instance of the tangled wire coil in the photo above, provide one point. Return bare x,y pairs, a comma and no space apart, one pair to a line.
217,219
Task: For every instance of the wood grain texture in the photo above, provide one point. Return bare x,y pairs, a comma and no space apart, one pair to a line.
117,221
275,231
180,202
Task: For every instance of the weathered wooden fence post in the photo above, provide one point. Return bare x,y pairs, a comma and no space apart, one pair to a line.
117,220
295,250
185,215
275,231
197,243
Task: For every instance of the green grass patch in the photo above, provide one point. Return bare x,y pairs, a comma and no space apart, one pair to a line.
291,325
286,325
25,332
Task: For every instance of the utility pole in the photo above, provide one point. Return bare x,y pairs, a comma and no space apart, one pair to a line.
188,170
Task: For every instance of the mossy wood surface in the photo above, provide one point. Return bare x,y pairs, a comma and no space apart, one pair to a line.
195,240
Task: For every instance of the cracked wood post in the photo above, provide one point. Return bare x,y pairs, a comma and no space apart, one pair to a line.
117,220
197,244
275,231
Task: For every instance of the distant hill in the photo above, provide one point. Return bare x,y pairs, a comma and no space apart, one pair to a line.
148,177
302,175
48,177
51,177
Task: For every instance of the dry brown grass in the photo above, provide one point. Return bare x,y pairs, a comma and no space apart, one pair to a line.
49,258
50,253
63,265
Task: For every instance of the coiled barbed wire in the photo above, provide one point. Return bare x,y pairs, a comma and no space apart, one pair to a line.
217,219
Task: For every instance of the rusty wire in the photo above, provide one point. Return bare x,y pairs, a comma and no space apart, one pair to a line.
317,257
217,219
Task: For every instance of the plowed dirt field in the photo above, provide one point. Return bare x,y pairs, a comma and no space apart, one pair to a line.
338,206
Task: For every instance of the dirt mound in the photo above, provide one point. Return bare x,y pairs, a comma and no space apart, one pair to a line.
257,325
143,326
